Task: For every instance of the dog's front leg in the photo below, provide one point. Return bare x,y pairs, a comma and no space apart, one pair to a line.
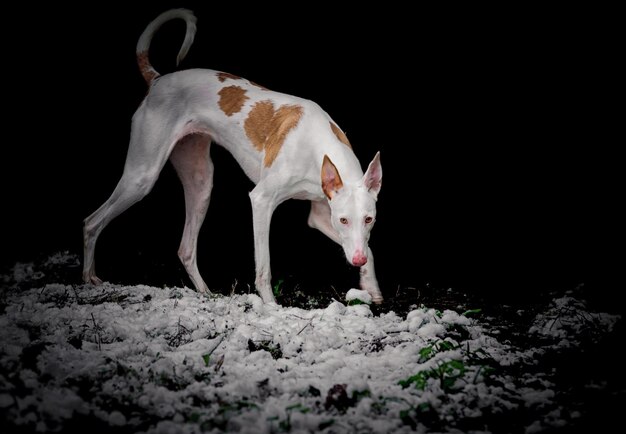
263,206
368,280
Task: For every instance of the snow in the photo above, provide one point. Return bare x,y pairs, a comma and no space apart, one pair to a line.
568,318
164,360
358,294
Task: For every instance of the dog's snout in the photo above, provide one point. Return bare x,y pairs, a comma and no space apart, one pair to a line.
359,259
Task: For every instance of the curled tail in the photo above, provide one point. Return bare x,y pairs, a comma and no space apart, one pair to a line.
143,45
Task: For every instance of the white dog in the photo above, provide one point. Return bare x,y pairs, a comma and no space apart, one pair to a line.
288,146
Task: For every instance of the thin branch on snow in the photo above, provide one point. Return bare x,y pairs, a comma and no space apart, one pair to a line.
96,329
306,325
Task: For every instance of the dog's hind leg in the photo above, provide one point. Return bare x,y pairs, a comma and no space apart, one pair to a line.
147,154
192,161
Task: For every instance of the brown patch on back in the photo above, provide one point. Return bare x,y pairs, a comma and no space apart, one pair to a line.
145,67
257,123
340,135
268,128
222,76
284,120
232,99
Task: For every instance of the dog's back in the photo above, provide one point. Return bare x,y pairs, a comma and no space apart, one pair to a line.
256,125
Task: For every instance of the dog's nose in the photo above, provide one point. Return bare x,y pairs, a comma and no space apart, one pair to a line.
359,259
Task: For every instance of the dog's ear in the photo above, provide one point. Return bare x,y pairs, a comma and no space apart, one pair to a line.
331,181
373,178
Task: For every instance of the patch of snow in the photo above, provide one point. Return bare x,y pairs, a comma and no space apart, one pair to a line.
25,272
568,319
358,294
188,360
536,397
6,400
162,360
64,258
116,418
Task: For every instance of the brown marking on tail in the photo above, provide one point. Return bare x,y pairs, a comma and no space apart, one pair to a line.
268,128
232,99
146,69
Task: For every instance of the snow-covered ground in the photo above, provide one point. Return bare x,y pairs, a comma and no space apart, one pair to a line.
169,360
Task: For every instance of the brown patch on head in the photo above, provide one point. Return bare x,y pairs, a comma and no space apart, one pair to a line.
222,76
340,135
145,67
268,128
232,99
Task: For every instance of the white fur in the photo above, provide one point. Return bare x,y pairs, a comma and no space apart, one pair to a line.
180,117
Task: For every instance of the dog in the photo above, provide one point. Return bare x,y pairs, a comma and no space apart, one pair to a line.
288,146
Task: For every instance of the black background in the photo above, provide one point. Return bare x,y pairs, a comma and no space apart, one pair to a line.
496,129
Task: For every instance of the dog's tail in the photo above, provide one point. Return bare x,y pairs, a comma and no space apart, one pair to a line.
143,45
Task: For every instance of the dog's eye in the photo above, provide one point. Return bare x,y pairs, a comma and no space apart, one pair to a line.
343,220
368,220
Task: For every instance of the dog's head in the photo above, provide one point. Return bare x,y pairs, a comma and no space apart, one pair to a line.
353,207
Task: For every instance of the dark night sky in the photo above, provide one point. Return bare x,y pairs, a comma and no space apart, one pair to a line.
494,129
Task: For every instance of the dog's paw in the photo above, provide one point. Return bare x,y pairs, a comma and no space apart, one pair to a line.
373,290
378,300
93,279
